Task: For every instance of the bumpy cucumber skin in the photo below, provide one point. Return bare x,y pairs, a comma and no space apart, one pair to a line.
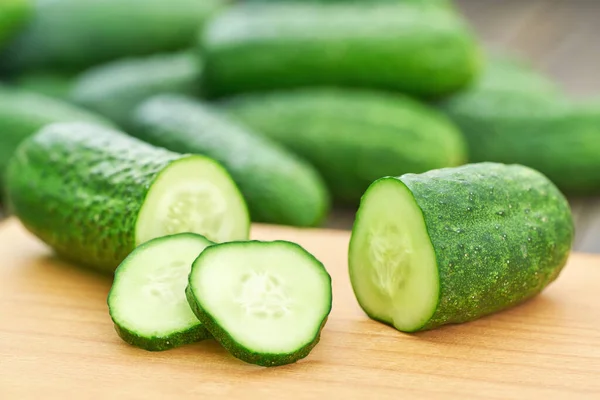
155,343
556,137
80,187
239,351
13,15
388,45
278,187
501,234
353,136
115,89
23,113
72,34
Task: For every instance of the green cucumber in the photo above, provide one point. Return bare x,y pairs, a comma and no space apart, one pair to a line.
13,15
353,136
456,244
116,88
147,301
278,186
52,84
553,135
94,194
513,74
22,113
74,34
388,45
270,304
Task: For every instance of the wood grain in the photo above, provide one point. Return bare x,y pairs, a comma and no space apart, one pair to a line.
57,342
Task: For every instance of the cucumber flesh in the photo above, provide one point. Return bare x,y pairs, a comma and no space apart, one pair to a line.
147,300
194,194
270,305
392,262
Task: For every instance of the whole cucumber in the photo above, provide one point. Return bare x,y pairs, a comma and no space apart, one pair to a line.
456,244
417,48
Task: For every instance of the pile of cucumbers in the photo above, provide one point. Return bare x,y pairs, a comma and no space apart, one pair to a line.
141,138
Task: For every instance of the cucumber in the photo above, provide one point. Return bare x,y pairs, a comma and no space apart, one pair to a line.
147,301
116,88
456,244
389,45
51,84
94,194
14,14
279,187
22,113
74,34
270,304
353,136
510,73
551,134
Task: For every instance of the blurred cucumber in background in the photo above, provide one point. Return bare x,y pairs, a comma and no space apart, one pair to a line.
74,34
347,91
116,88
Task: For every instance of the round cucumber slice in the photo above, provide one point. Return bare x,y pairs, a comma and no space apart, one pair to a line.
392,262
193,194
147,300
271,301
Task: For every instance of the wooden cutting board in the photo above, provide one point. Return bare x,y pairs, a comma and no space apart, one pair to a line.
57,342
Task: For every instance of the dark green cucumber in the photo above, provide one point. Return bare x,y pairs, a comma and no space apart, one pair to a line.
390,45
147,300
115,89
94,194
353,137
558,137
22,113
456,244
75,34
265,302
13,15
279,187
52,84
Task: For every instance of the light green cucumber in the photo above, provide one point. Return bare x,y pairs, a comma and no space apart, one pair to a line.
14,14
456,244
75,34
147,301
387,45
265,302
353,136
94,194
115,89
22,113
278,186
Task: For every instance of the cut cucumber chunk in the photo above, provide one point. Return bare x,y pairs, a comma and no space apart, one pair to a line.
455,244
147,300
271,303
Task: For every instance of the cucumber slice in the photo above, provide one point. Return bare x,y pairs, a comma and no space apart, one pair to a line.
392,263
271,303
147,300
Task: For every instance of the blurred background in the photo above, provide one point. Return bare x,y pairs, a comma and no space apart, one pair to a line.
558,38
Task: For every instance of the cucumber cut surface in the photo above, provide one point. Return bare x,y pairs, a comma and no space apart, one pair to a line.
271,303
147,301
392,262
193,194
